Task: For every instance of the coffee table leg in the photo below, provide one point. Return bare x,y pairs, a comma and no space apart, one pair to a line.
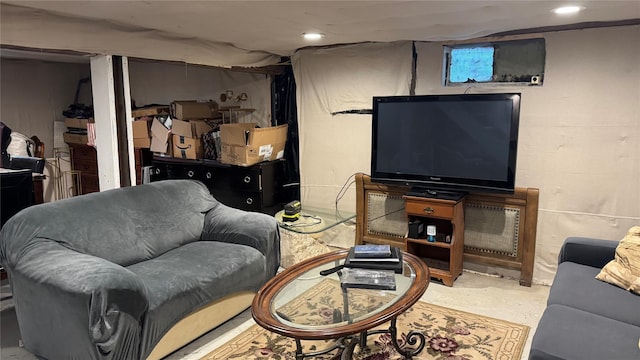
345,300
347,353
363,339
412,339
299,354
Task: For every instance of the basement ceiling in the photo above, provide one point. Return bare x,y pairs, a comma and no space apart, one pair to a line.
274,28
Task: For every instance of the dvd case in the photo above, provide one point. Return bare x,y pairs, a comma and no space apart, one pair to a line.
372,251
394,262
368,279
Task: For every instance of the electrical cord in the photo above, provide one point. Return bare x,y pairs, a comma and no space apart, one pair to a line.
350,181
299,223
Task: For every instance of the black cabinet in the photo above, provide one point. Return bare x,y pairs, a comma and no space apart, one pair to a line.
253,188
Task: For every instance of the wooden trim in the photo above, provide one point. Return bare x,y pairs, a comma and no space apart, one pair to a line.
360,210
530,232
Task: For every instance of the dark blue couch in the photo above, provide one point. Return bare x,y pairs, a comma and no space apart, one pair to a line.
587,318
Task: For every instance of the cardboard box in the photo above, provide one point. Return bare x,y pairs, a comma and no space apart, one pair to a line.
190,128
245,145
185,147
141,129
200,127
77,123
160,137
150,111
160,145
142,142
181,127
192,109
159,130
70,138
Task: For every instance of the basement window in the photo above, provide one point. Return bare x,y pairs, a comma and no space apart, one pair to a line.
513,62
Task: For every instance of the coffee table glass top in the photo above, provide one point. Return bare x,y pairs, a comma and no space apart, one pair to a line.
313,220
311,301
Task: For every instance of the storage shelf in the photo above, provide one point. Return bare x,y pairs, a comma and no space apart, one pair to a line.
232,114
424,242
444,259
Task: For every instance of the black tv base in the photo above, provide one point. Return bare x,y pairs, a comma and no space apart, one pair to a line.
436,194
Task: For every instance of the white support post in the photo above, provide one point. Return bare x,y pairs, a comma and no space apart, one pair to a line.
127,103
105,118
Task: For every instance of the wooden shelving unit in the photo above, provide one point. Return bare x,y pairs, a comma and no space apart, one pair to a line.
443,256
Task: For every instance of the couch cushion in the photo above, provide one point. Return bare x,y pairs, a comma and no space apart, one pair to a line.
124,225
575,285
624,270
568,333
191,276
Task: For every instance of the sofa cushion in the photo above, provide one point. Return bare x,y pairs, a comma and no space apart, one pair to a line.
624,270
568,333
190,277
124,225
575,285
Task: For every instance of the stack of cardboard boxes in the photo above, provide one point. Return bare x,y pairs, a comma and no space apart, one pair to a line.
144,117
76,131
173,130
187,138
177,131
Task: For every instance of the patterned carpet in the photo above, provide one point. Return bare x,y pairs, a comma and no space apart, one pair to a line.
450,334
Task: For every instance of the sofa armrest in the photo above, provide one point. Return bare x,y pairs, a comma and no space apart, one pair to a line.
587,251
68,300
260,231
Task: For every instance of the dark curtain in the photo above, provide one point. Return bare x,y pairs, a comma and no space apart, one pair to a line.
285,111
5,139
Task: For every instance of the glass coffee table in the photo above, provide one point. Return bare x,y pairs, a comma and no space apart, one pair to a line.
317,231
302,304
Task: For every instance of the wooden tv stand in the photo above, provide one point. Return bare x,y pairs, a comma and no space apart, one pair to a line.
389,205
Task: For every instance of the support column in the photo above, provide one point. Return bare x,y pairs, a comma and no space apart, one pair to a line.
104,109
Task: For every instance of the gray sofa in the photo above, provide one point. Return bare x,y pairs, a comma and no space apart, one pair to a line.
587,318
135,272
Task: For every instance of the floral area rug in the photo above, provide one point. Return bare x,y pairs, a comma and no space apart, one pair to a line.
450,334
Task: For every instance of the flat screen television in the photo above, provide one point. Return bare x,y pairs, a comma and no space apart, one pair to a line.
446,145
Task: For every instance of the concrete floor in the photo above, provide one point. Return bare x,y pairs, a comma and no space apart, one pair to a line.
473,292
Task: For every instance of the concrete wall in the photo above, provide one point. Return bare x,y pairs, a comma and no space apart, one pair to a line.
35,93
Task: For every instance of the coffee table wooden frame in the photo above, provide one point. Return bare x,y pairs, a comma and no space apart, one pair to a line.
260,310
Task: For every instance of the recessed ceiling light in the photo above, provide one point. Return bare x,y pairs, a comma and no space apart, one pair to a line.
312,36
567,10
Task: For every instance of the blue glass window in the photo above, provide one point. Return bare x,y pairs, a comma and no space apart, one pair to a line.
471,63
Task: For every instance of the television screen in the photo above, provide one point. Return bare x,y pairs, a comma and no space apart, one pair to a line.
458,142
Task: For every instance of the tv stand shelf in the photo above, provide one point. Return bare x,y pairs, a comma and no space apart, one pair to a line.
443,258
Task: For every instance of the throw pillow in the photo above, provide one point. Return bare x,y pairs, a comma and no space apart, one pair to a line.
624,270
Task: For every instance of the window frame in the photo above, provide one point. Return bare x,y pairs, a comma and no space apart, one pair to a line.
477,43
